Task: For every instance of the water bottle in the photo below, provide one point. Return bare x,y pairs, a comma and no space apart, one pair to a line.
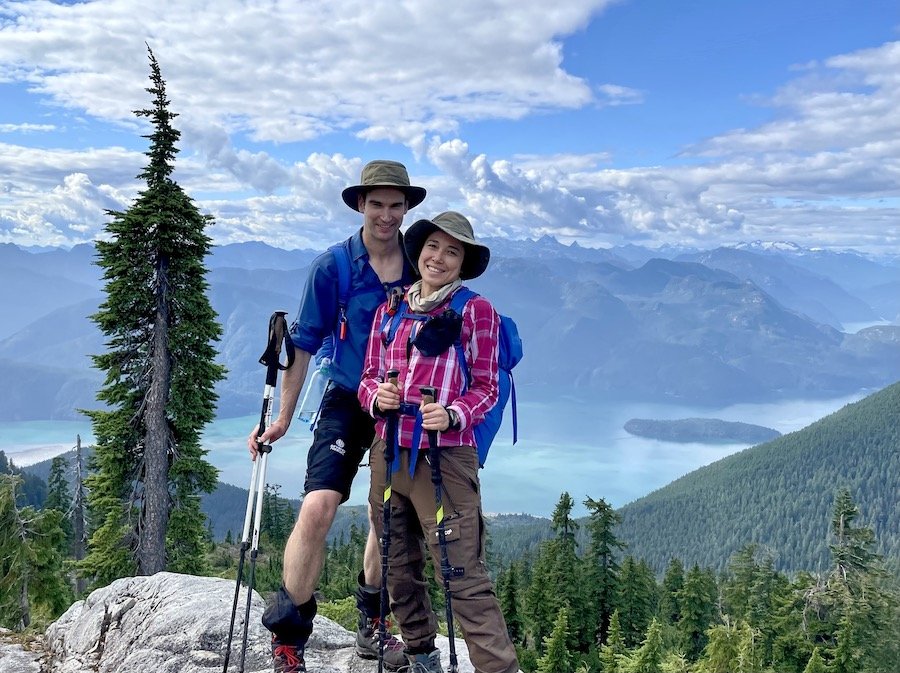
315,390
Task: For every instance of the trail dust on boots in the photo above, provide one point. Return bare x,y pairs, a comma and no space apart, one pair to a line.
368,600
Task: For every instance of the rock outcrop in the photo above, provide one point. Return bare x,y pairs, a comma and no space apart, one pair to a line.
170,623
19,654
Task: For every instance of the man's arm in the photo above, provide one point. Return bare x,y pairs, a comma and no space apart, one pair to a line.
291,385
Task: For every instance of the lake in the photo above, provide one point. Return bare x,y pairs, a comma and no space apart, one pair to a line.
566,445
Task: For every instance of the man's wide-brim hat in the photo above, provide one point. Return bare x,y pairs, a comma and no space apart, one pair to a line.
476,256
384,174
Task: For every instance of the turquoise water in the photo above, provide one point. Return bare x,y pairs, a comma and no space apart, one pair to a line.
563,446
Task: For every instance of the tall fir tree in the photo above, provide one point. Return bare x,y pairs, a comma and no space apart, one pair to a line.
697,603
602,567
160,372
857,605
637,600
508,592
556,579
59,496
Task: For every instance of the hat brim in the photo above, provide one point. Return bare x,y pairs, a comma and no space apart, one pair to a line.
414,195
476,257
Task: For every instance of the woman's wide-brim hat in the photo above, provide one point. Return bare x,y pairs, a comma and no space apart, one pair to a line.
383,173
476,256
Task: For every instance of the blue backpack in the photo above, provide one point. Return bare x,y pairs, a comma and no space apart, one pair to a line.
330,350
331,345
509,355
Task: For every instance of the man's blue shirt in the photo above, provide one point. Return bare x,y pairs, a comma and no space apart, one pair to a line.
318,313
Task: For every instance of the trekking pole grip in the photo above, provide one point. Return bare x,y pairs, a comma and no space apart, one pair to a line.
428,394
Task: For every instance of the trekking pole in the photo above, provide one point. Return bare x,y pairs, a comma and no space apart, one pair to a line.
278,334
434,457
389,453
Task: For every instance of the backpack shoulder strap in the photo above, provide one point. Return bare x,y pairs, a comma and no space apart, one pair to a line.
390,321
343,264
458,303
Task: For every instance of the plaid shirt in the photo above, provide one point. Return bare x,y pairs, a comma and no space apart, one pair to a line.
479,337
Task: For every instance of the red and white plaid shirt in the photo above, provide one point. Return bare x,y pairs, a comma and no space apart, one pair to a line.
479,337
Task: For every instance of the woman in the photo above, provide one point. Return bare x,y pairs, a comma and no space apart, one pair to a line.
417,342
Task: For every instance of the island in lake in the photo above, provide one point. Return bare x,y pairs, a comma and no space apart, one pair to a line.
705,430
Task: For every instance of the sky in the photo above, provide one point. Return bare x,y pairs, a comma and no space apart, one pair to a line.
602,122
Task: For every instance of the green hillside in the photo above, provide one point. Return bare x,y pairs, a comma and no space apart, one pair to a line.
779,494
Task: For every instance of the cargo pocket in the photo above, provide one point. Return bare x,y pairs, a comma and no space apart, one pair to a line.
463,540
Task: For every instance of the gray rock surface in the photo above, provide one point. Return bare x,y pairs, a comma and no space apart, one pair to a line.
171,623
18,654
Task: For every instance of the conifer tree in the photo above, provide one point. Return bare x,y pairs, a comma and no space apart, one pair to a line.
613,651
731,648
509,596
637,600
854,600
556,581
160,373
815,664
673,582
602,568
556,651
59,496
697,602
32,582
649,657
751,592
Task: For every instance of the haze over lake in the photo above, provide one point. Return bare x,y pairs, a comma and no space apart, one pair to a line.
566,445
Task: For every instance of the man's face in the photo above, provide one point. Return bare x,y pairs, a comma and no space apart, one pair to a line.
383,210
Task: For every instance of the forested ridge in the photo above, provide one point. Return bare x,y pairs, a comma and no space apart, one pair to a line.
778,494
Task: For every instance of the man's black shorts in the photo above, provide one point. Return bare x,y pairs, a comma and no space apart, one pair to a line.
342,436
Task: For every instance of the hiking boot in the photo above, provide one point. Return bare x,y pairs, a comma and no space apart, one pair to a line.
367,636
425,663
286,657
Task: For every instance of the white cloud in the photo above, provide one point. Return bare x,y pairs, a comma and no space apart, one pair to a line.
296,70
71,212
254,83
26,128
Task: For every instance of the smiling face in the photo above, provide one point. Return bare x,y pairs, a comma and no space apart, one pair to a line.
440,261
383,210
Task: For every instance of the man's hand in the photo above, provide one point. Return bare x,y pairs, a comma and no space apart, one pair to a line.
273,432
291,383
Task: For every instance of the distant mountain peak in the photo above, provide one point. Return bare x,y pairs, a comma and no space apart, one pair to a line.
771,246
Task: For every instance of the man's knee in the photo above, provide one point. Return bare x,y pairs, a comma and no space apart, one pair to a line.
317,513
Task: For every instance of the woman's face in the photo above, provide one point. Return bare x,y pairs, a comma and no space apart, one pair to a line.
440,261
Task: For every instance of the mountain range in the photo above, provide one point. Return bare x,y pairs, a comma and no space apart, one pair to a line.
739,324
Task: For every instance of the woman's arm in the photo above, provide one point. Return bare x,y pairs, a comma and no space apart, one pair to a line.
373,364
481,339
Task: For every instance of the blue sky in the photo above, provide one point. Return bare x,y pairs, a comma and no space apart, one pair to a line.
694,122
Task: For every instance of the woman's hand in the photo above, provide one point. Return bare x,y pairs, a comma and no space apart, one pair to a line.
435,417
387,397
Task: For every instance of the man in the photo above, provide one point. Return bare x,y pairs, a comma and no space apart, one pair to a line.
344,431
